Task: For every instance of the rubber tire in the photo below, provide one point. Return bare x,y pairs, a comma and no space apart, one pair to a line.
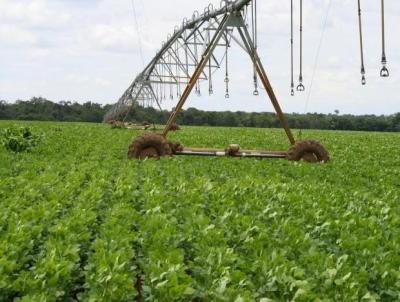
156,143
175,147
174,127
308,150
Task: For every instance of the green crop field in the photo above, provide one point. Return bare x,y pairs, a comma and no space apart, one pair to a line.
79,222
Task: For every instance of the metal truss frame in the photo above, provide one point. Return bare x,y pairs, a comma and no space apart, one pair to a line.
181,63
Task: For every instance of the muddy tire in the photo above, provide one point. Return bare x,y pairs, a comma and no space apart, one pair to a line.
149,145
174,127
309,151
176,147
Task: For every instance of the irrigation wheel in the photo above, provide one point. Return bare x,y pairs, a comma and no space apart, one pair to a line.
149,145
174,127
309,151
175,147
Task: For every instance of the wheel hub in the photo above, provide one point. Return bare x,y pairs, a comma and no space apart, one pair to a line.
310,157
148,152
308,150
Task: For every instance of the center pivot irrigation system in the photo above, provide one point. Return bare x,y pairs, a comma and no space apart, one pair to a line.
189,58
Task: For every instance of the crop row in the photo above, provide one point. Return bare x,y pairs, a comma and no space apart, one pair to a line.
112,271
85,224
211,243
28,222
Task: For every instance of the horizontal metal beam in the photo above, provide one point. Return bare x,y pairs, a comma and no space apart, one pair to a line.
241,153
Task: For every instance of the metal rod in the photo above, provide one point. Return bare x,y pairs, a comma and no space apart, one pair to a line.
384,71
383,32
155,97
254,27
226,68
264,79
291,50
193,25
130,108
210,84
168,65
196,62
301,87
231,36
206,56
241,153
363,80
212,56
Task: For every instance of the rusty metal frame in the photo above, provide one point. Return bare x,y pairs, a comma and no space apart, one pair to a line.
234,19
187,37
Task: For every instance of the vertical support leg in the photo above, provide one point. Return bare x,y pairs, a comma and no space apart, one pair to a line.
193,80
245,35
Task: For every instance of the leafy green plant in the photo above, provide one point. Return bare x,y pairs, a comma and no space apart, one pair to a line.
79,222
19,139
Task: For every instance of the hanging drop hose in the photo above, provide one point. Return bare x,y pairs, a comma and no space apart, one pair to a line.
301,87
363,80
384,70
291,49
171,88
164,77
197,89
186,55
255,40
210,84
178,72
158,91
226,68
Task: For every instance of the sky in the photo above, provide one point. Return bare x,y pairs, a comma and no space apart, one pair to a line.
88,50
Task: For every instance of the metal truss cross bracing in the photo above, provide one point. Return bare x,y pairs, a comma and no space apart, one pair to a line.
170,71
232,20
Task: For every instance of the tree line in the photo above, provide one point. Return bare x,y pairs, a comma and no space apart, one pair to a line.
41,109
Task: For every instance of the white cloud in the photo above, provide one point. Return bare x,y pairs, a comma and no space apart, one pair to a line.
33,13
112,37
15,36
79,79
89,50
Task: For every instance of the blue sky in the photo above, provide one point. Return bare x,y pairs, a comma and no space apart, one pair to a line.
87,50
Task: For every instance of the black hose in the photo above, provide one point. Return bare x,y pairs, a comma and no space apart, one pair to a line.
363,80
255,41
384,70
226,68
301,87
291,49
